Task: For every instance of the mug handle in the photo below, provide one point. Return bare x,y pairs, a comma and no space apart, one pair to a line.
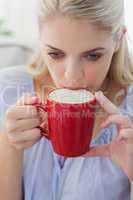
43,107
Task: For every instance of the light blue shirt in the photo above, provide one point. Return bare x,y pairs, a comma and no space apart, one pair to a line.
48,176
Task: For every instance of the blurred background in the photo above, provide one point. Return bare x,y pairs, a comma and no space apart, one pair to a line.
19,36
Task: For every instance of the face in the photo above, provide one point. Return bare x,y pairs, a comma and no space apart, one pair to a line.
76,53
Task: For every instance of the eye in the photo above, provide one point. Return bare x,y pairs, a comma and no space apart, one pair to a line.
93,56
56,55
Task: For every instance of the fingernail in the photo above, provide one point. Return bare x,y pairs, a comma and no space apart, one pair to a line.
100,96
36,99
98,93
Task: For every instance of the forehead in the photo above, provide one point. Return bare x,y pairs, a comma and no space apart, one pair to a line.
63,33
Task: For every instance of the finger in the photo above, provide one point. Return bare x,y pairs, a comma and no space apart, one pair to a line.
25,145
123,121
45,130
25,124
102,150
25,136
106,104
27,99
20,112
43,133
42,115
44,127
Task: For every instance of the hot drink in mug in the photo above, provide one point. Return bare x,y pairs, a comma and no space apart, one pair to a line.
70,120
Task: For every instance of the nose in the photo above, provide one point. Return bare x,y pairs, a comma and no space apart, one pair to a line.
74,72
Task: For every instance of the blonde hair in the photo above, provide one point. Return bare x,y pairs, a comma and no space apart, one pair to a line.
105,14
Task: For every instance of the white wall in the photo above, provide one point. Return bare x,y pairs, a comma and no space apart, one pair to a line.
23,19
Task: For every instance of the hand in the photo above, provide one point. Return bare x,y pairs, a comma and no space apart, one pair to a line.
22,122
120,150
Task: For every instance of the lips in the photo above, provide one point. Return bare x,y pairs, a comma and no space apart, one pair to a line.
74,88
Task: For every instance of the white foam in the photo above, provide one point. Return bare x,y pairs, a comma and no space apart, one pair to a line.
71,96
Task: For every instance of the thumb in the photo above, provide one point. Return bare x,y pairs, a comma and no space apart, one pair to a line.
44,130
101,150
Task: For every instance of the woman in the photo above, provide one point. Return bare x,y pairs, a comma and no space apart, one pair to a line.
83,45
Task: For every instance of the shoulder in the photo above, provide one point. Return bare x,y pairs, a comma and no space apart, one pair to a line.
129,97
15,76
14,73
127,106
130,89
14,81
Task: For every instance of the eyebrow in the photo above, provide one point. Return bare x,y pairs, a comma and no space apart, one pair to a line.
88,51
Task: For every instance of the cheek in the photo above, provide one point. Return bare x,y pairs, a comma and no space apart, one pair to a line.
98,72
56,70
50,64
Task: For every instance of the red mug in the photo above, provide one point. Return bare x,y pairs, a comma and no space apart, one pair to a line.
70,123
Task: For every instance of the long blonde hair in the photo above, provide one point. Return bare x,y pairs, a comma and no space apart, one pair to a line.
105,14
